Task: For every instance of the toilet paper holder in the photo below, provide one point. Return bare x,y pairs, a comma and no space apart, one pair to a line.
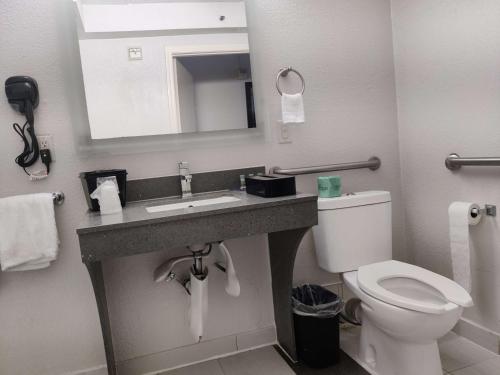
488,210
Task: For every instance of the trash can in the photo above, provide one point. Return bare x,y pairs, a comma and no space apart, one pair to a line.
316,320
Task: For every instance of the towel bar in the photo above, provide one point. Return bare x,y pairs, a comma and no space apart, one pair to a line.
58,197
283,73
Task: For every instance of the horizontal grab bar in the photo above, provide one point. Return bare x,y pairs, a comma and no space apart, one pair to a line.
454,162
373,164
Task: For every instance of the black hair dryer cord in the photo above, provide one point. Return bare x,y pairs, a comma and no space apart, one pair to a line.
31,151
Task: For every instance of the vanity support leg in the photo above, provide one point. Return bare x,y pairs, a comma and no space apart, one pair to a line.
283,248
97,278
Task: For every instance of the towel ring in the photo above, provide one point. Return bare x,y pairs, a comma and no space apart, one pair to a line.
283,73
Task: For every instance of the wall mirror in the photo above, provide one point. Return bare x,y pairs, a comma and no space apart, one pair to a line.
165,68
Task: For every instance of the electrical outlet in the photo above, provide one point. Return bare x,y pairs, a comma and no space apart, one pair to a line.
283,133
47,142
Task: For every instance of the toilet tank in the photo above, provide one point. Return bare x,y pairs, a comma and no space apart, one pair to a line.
353,230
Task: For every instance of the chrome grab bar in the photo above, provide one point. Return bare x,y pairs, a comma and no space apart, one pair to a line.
373,164
454,162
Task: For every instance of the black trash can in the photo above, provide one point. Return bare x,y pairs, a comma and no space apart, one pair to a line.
316,320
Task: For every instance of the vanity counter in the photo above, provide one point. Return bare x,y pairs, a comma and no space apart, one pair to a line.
135,214
137,231
127,233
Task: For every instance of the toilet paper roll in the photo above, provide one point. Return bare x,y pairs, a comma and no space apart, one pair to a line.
460,217
199,304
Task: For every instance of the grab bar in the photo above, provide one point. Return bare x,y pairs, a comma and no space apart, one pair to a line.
373,164
454,162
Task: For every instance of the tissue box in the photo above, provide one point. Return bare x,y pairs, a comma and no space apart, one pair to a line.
329,187
269,186
89,184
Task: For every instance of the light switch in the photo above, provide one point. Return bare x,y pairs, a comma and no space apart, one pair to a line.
283,133
135,53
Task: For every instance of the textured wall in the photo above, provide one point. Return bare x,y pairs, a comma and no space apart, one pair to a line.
343,48
447,56
135,92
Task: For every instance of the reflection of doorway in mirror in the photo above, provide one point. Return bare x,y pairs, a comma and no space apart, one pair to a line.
211,88
252,122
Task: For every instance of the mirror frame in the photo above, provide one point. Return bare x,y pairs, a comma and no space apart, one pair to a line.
89,148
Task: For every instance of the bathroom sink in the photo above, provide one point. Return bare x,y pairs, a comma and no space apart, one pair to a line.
192,203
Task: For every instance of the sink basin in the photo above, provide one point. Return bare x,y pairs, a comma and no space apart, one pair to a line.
193,203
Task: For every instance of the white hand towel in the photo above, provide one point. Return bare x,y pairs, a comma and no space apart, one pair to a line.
198,309
292,108
28,232
232,282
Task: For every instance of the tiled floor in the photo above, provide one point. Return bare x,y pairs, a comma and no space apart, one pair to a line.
260,361
265,361
459,357
346,366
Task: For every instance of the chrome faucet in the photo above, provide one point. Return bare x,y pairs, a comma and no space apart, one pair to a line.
185,179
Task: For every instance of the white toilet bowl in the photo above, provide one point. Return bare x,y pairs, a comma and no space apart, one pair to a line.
404,310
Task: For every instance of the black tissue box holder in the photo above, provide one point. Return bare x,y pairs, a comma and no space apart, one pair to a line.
89,184
269,186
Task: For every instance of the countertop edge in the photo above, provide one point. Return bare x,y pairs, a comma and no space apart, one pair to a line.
186,216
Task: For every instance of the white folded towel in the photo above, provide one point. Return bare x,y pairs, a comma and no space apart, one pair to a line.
28,232
292,108
232,282
198,309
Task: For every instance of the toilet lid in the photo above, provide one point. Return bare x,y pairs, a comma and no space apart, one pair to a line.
371,276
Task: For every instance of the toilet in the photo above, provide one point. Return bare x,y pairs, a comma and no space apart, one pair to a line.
404,308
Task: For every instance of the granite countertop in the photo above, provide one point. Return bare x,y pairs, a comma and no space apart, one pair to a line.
135,214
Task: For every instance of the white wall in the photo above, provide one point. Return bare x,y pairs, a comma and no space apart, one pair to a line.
219,101
136,16
447,57
129,98
187,99
344,50
229,95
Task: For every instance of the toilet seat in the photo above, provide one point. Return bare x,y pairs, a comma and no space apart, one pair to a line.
370,278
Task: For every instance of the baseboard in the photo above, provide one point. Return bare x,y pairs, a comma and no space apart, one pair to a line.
254,339
98,370
480,335
190,354
203,351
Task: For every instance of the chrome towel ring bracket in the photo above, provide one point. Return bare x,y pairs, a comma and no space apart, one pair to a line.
283,73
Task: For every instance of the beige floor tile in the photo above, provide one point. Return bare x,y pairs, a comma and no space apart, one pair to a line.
204,368
458,352
489,367
259,361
